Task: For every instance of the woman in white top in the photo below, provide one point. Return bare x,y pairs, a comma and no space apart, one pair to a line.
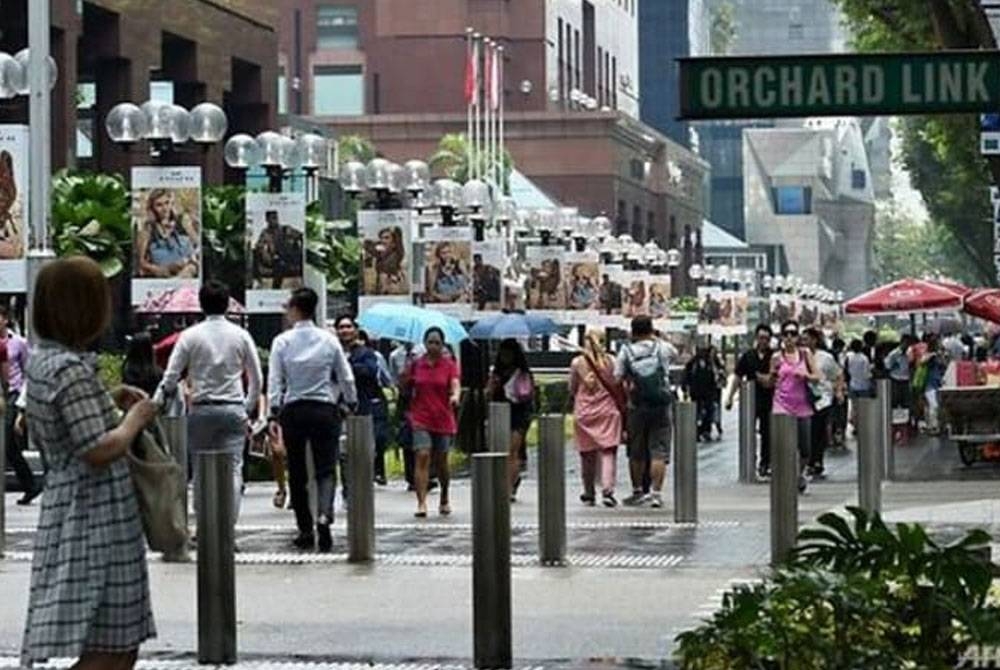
859,375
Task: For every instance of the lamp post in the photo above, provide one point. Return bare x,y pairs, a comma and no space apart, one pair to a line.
280,155
165,127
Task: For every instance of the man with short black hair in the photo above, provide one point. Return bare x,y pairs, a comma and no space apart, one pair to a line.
215,356
644,365
310,383
755,365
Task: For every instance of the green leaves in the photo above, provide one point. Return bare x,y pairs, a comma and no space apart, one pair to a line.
452,160
90,217
332,249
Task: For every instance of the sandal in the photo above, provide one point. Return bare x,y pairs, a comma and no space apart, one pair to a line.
280,498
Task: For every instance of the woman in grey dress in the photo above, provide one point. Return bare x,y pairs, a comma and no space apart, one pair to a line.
89,585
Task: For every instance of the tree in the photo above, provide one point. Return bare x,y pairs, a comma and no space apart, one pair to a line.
722,29
355,148
452,160
941,152
906,248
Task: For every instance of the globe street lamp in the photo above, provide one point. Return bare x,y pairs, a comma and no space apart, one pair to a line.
165,126
280,155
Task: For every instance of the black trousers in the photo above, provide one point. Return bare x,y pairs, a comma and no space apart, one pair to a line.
316,424
764,443
14,450
819,437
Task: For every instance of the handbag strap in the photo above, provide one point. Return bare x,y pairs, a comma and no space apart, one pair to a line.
601,376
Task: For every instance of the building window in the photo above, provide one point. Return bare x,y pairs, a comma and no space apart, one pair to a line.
338,90
792,199
650,226
336,27
637,224
614,82
607,79
600,77
858,179
282,90
561,63
576,58
569,59
86,101
162,91
636,169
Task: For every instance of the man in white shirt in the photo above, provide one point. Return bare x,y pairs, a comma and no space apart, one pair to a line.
309,383
216,356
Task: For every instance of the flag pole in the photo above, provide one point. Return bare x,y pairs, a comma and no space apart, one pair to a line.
488,100
469,71
500,84
474,166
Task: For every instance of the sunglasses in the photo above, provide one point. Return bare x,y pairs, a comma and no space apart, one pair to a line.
791,333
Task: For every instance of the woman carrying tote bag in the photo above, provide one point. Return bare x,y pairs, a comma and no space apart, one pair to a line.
89,584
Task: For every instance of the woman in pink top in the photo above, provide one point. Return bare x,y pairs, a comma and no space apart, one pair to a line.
597,418
792,370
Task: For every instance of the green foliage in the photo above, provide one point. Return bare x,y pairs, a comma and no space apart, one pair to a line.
224,235
855,595
903,248
684,303
109,368
90,217
941,152
332,250
355,148
452,160
722,28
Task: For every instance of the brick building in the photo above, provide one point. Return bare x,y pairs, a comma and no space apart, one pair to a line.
110,51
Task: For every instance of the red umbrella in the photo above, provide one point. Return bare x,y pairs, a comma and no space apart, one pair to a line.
984,303
952,286
904,297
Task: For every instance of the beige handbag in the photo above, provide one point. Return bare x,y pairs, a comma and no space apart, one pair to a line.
159,488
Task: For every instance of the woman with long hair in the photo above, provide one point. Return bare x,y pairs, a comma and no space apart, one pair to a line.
390,257
167,240
511,382
598,403
450,282
140,368
792,369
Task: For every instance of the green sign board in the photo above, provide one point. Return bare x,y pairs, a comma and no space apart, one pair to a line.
941,82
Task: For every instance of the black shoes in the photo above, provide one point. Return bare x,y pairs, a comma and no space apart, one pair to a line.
305,540
381,480
588,500
325,538
30,496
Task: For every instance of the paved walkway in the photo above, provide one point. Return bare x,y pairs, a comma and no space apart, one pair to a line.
633,581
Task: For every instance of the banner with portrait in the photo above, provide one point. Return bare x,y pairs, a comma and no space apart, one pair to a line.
809,313
166,230
448,270
734,312
276,254
612,293
635,299
14,208
659,300
784,307
545,292
582,283
386,256
488,257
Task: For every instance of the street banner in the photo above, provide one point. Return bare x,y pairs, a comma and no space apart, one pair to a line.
385,257
635,300
722,312
276,230
487,275
611,296
448,270
582,285
166,230
735,310
808,313
14,208
545,293
659,300
784,307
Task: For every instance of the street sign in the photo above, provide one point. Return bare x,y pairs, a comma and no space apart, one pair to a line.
989,134
941,82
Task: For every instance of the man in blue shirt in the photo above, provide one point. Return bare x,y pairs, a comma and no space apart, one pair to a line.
310,382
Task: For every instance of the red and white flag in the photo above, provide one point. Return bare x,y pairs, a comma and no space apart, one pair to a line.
493,78
472,73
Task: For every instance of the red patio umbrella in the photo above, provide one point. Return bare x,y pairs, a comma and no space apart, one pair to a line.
905,296
983,303
952,286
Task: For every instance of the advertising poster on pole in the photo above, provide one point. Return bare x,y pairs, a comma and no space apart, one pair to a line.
166,230
14,210
545,291
659,301
582,285
809,313
784,307
448,270
709,310
276,255
611,297
487,275
386,237
733,312
635,300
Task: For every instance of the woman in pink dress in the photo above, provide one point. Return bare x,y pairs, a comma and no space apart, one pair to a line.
597,397
792,370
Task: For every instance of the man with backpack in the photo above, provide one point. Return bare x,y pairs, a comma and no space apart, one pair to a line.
643,366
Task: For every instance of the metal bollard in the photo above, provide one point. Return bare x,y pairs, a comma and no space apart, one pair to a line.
870,454
3,489
361,475
552,490
748,432
174,422
491,588
685,463
498,438
883,392
784,486
216,567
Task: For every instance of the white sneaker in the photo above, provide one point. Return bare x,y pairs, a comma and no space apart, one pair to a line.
655,500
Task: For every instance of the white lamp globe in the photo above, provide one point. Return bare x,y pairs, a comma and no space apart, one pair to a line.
291,159
397,178
314,151
377,174
12,76
696,272
179,120
447,194
271,148
475,195
208,123
352,177
159,117
52,70
125,123
418,176
241,152
506,209
673,258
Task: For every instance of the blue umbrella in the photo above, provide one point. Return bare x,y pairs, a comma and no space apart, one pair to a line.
502,325
408,323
